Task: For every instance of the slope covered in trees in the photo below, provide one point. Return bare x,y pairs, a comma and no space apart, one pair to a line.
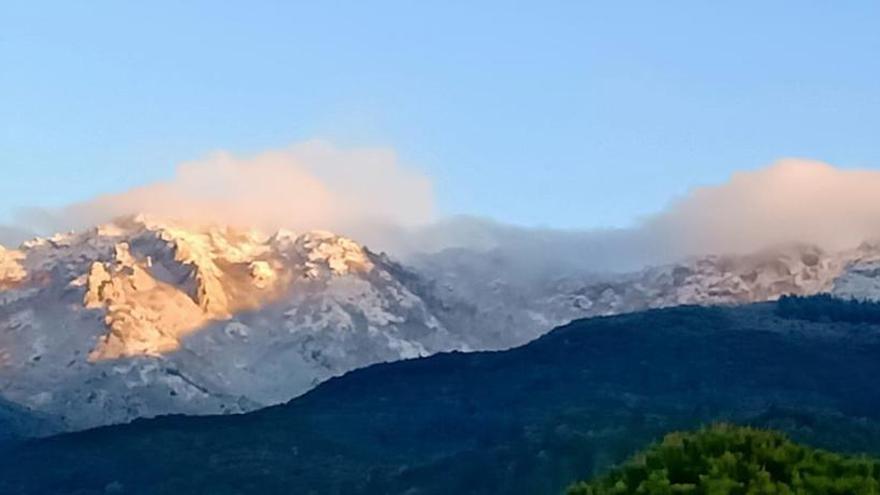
529,420
17,423
730,460
827,308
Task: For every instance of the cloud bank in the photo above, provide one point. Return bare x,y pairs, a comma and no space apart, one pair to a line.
312,185
369,195
790,201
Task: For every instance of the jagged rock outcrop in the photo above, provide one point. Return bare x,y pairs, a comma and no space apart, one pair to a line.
143,316
509,311
11,271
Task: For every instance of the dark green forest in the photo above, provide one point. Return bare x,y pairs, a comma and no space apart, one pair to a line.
730,460
531,420
827,308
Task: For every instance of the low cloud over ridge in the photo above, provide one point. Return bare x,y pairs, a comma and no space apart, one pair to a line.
790,201
368,194
313,185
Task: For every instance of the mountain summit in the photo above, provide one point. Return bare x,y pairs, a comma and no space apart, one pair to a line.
144,316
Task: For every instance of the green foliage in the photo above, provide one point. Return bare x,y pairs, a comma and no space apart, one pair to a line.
825,307
730,460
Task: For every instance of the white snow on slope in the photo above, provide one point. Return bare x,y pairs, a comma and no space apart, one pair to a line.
144,316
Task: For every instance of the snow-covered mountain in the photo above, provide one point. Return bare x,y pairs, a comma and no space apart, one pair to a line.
485,291
142,316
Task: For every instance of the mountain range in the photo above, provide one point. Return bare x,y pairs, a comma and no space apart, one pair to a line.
526,420
145,316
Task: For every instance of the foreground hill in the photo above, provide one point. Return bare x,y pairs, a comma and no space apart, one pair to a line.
529,420
731,460
143,316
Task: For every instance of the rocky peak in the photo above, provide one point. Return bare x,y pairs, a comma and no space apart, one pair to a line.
337,255
145,316
11,270
221,270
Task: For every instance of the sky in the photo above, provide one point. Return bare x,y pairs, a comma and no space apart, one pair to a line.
573,115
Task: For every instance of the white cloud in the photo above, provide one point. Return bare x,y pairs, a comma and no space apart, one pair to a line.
369,195
312,185
790,201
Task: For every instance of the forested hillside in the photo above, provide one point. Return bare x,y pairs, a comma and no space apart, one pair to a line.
730,460
530,420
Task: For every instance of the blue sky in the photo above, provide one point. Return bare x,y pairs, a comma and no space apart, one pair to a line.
564,114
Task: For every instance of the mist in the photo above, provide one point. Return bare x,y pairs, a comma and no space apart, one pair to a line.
13,236
312,185
369,195
790,201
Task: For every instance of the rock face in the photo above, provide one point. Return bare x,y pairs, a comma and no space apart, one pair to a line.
143,317
483,293
11,271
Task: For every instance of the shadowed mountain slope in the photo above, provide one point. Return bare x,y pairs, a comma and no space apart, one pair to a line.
528,420
145,316
17,423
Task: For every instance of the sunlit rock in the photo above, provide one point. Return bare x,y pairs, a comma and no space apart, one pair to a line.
11,270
